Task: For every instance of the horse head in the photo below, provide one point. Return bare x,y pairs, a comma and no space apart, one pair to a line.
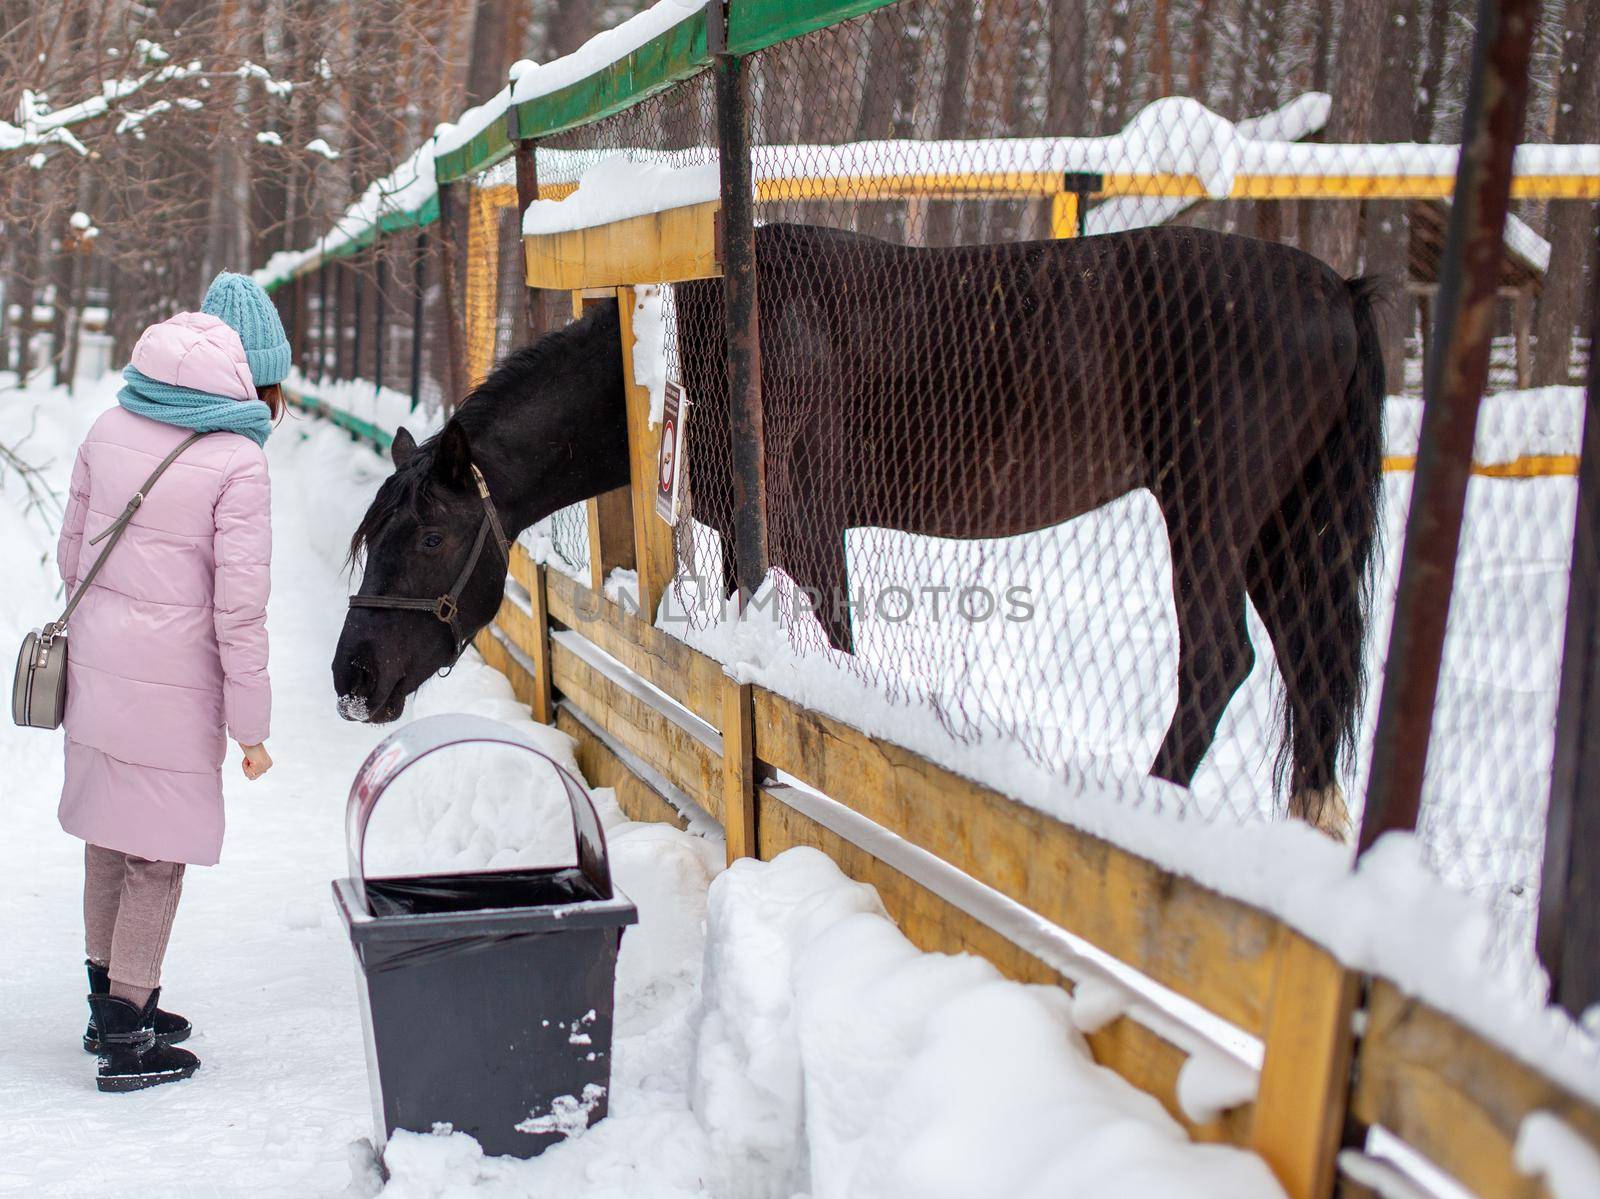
547,428
418,539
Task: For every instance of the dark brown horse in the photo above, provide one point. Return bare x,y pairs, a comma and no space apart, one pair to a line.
980,392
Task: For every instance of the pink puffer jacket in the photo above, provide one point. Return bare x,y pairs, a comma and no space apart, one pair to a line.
168,648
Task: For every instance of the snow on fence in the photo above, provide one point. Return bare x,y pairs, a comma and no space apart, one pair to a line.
991,780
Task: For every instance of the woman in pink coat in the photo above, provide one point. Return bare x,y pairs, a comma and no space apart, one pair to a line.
168,649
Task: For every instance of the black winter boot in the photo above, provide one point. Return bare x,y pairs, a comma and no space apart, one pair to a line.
130,1056
169,1027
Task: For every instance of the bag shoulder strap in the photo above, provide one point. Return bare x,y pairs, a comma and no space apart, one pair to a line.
113,532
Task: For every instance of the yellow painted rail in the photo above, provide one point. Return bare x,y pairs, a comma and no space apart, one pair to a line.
1527,466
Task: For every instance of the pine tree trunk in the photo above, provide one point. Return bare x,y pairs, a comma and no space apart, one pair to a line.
1571,229
1388,232
1354,92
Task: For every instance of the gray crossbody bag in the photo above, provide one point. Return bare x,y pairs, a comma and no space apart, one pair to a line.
39,691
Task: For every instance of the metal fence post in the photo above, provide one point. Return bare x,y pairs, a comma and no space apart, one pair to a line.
419,284
739,286
322,321
380,314
454,337
359,282
1457,370
527,164
1569,895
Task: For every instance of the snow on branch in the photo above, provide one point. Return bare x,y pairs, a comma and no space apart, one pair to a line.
39,124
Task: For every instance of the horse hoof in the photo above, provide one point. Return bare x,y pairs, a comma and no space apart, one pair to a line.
1323,809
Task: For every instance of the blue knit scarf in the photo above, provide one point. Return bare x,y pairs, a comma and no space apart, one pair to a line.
191,409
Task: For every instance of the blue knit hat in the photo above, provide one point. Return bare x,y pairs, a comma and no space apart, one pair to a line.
239,302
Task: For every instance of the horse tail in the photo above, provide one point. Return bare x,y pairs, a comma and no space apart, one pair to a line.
1318,551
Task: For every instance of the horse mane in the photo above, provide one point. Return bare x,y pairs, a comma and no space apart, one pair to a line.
509,382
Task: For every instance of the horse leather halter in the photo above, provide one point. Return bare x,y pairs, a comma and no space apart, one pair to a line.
446,607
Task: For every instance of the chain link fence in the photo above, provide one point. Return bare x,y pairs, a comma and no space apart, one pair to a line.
1091,378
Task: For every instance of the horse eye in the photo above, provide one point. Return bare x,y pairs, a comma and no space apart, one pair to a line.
432,541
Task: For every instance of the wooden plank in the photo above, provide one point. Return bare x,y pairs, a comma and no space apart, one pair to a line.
1454,1097
1305,1076
659,247
1133,1051
1216,951
528,628
653,550
689,759
610,517
690,677
602,768
738,772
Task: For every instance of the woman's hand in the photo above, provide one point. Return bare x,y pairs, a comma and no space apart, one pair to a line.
257,761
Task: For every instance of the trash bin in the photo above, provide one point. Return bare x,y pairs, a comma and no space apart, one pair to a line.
486,998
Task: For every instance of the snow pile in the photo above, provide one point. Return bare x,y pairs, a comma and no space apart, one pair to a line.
652,305
1298,118
836,1059
623,185
828,1057
1548,1148
604,48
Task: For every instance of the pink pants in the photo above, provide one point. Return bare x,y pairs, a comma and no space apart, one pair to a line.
128,905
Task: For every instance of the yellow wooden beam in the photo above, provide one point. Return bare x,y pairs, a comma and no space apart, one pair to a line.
1064,215
738,771
659,247
1305,1075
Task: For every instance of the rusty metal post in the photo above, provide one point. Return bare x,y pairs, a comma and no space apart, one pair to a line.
1569,895
1457,371
359,282
527,192
419,285
739,291
455,337
380,313
302,326
340,357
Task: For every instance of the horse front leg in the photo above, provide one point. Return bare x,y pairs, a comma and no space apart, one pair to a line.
1214,657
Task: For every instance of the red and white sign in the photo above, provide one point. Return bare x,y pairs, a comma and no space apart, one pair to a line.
669,460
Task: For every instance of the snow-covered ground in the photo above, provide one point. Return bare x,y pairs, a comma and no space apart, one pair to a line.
776,1036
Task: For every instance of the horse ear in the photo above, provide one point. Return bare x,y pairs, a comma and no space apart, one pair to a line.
452,458
403,446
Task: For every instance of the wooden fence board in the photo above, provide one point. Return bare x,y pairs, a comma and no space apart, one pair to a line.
660,247
688,676
1454,1097
602,768
1305,1078
689,760
1218,952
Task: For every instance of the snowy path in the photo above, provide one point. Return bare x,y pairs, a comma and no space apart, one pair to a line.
256,960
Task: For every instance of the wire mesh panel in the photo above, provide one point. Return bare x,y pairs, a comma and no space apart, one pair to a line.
1091,349
1091,383
671,132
